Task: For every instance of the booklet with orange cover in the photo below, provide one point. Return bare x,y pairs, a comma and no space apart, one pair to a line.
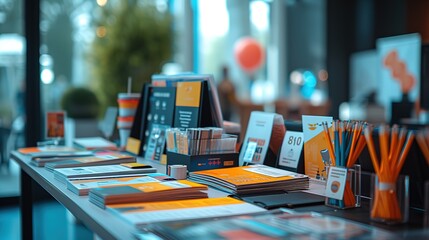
147,192
251,179
142,213
82,187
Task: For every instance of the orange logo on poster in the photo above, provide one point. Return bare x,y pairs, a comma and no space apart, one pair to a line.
335,186
312,126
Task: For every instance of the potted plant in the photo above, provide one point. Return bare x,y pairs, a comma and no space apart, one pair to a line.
133,39
83,109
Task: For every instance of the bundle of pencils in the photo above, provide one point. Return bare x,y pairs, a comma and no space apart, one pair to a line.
385,203
423,141
348,145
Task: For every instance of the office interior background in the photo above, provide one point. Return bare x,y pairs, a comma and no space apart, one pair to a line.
48,47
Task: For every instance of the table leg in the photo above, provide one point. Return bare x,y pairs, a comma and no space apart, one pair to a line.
26,204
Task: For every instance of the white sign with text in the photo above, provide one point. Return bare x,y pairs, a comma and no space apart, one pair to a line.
291,149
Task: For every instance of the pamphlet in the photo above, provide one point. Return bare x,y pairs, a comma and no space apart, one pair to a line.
315,143
265,133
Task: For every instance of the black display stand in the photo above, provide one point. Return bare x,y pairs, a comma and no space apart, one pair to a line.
148,113
401,110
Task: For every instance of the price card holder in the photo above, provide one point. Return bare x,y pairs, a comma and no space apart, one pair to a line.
291,157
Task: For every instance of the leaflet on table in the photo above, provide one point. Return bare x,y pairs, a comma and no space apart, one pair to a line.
269,225
50,151
143,213
265,132
99,158
315,144
40,161
81,187
92,143
252,174
63,174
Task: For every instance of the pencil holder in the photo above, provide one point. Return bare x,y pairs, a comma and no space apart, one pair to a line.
390,200
351,198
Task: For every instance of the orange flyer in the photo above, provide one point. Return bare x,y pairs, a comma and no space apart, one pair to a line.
157,186
246,175
314,144
179,204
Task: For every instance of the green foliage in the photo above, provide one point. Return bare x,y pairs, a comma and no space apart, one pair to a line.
137,42
79,102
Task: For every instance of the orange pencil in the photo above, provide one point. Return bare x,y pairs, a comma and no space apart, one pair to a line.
423,146
373,154
404,154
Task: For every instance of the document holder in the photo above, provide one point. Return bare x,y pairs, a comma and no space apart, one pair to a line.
283,199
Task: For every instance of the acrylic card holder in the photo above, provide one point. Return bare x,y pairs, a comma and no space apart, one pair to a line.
201,148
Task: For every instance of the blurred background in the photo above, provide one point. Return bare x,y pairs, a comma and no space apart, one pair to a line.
318,57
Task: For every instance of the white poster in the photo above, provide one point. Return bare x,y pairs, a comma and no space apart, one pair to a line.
399,61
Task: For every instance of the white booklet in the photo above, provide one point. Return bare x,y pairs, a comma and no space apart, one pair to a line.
92,143
63,174
82,187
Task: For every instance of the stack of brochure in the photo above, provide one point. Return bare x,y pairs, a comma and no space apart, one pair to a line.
41,155
42,160
82,187
251,179
93,172
99,158
140,214
94,143
147,192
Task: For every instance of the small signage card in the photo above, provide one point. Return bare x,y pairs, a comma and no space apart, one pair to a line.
291,149
55,125
156,143
315,144
265,132
336,183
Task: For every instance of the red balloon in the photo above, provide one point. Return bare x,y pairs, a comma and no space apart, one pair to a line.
249,54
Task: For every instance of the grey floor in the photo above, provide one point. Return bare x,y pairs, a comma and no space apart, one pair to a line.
50,219
9,179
